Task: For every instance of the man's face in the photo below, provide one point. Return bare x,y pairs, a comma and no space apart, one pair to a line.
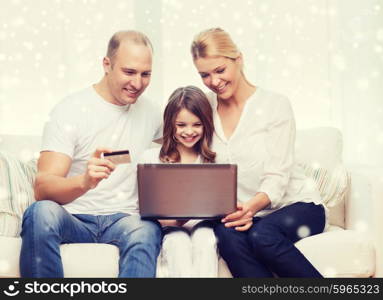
128,73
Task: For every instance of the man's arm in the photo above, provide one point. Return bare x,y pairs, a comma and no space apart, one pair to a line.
52,184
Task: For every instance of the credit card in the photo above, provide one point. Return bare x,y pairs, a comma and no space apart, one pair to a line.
118,157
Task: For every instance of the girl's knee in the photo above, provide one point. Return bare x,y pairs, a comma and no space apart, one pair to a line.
176,239
204,236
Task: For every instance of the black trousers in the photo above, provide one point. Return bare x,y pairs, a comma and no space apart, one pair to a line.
267,248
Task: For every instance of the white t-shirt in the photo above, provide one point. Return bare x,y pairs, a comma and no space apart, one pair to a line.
85,121
262,145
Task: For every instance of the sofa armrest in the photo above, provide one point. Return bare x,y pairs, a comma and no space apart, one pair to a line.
364,207
359,202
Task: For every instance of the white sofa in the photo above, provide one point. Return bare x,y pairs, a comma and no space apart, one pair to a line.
350,247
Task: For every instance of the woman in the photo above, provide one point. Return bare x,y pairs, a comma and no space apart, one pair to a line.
256,130
189,249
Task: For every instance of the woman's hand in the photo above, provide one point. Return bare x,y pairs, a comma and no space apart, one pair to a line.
241,220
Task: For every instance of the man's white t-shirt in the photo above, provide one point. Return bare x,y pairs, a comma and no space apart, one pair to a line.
85,121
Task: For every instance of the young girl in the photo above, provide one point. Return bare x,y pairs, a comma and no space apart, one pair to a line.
188,247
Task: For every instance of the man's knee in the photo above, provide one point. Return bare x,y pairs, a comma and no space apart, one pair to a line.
44,209
43,213
142,231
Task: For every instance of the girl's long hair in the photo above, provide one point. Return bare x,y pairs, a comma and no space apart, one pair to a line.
195,101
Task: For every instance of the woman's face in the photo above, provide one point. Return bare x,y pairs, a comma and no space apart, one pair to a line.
220,74
189,128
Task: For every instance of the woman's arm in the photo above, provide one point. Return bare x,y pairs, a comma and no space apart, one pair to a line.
279,144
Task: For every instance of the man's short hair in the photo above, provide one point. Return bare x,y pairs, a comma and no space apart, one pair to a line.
128,35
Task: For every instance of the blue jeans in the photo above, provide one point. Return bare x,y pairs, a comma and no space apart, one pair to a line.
267,248
47,224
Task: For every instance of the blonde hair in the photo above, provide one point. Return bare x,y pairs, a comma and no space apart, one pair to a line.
215,42
136,37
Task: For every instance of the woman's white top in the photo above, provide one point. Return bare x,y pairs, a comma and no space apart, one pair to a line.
262,145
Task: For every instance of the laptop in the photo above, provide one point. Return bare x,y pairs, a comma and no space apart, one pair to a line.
186,191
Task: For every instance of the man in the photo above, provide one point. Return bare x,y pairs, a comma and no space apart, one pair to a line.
82,197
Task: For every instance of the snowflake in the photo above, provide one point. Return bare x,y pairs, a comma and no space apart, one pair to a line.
361,226
18,22
68,127
329,272
303,231
3,35
121,195
339,62
315,165
121,5
295,60
363,84
378,49
25,155
264,8
259,112
185,64
4,266
28,45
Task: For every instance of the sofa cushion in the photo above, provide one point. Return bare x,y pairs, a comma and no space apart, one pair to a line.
333,187
343,253
319,151
16,192
79,260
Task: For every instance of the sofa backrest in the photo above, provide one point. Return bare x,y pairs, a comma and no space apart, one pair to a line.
320,146
24,147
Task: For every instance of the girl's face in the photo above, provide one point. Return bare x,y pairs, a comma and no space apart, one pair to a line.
220,74
189,128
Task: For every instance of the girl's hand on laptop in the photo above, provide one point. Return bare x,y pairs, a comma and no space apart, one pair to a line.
97,169
176,223
181,223
241,220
